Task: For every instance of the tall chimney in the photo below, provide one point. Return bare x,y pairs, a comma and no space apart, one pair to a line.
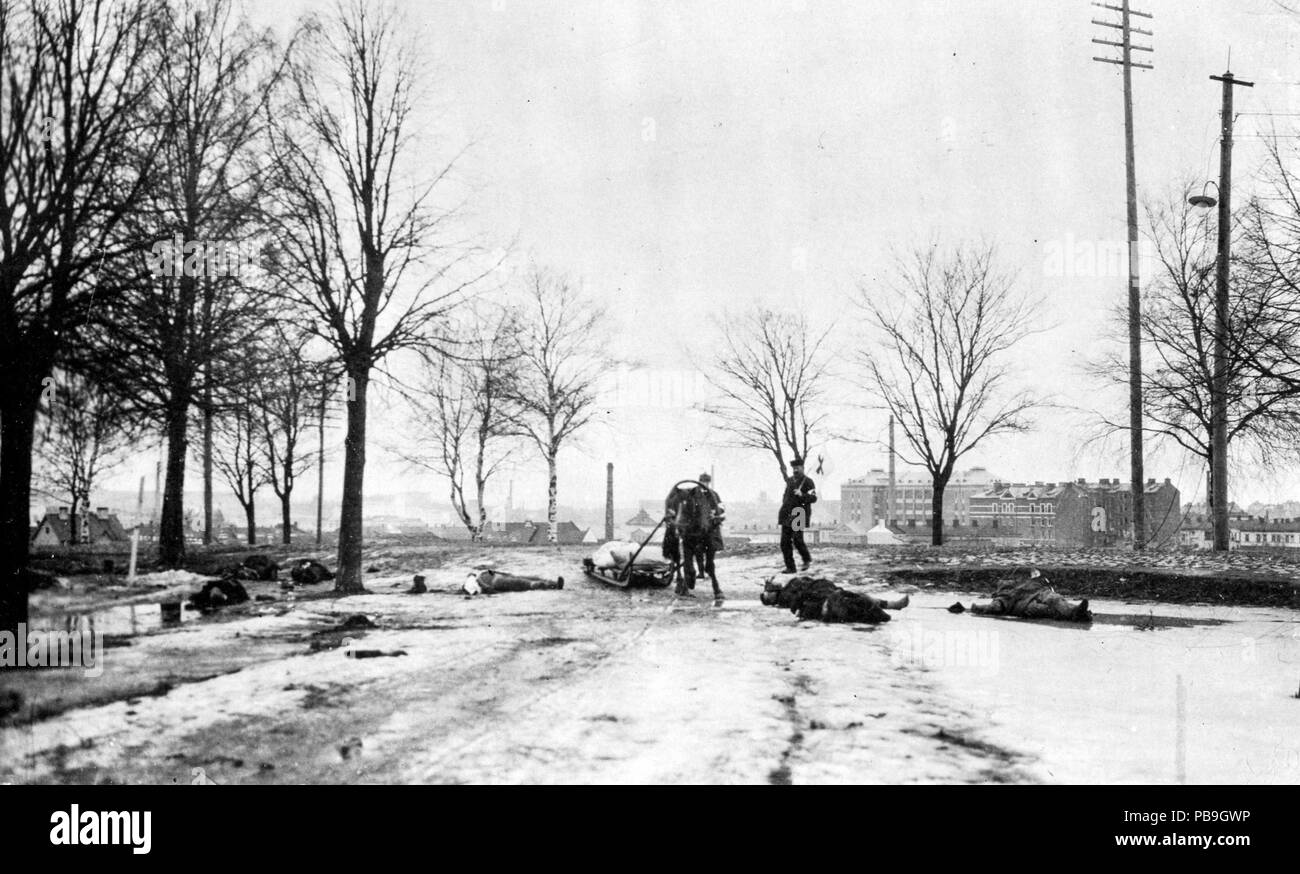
889,495
609,501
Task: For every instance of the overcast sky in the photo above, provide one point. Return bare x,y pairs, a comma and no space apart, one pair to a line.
686,158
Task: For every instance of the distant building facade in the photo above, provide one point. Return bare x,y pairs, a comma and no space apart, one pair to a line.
1076,513
533,533
864,500
1244,532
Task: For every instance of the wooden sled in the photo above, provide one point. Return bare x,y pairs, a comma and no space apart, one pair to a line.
651,573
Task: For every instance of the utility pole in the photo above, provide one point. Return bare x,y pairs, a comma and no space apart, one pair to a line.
1219,400
320,467
1126,63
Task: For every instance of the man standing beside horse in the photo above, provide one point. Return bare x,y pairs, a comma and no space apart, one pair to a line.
694,516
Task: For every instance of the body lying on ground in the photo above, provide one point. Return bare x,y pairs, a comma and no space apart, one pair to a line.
254,567
613,557
489,582
617,553
1032,598
813,598
308,572
219,593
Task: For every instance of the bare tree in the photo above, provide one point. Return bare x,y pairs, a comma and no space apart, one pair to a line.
351,222
936,361
1178,326
464,413
88,432
1270,258
770,374
238,448
213,76
287,409
72,84
560,362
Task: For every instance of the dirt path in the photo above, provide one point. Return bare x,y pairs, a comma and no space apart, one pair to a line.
590,684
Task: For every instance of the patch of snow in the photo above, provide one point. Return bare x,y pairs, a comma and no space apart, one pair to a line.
170,578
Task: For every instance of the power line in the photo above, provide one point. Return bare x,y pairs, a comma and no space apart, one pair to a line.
1126,63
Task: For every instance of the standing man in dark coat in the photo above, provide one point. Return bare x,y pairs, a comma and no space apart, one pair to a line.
795,515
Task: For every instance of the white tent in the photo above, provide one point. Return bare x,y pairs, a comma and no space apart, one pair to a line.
882,536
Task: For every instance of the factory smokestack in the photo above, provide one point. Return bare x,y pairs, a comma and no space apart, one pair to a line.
609,501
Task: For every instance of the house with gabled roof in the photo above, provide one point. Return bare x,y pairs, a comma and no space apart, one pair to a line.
97,526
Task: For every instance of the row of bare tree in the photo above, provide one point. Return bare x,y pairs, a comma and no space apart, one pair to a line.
936,332
203,226
521,374
932,354
139,139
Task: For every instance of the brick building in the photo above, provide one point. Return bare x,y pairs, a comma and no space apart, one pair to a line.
1077,513
1018,511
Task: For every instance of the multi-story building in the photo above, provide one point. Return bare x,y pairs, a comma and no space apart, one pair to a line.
1244,532
1021,511
864,500
1076,513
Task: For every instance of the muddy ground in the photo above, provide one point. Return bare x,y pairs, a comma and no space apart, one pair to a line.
598,684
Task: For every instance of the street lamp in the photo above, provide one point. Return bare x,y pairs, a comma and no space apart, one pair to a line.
1204,200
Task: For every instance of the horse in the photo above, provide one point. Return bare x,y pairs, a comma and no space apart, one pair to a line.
691,514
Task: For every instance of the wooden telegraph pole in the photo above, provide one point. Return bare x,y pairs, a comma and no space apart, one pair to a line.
320,467
1219,400
1126,63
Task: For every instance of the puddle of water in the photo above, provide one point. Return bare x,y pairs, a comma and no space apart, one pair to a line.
1153,622
1207,699
124,620
1140,621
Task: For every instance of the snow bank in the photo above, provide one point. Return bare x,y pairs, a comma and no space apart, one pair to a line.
169,578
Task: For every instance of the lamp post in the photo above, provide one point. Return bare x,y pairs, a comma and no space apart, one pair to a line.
1217,491
1219,392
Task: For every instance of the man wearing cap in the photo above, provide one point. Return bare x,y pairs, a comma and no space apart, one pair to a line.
795,515
717,513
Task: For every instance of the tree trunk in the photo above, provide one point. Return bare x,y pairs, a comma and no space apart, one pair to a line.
74,529
936,511
480,489
171,529
207,409
285,511
552,527
354,468
250,516
18,405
